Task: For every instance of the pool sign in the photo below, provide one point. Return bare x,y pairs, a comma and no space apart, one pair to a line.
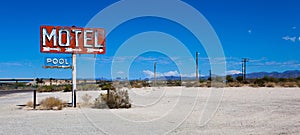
73,40
58,61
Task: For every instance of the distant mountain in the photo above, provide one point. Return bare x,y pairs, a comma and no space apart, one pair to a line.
286,74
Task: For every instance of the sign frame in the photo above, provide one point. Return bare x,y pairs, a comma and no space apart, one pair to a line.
69,40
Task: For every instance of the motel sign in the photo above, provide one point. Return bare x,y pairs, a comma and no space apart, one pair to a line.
73,40
58,61
70,40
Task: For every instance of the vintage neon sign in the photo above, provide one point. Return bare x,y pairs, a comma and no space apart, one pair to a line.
58,39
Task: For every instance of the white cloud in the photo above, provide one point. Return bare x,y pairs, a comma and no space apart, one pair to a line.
188,75
288,38
150,74
233,72
171,73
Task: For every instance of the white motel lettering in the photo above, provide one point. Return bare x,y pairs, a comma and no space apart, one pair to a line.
53,36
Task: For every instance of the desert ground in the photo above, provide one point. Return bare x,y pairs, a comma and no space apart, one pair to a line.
164,110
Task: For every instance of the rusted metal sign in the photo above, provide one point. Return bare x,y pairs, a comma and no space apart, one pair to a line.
58,39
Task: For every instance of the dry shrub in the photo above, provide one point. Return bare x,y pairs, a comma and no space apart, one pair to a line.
51,103
270,84
298,83
217,84
202,85
288,84
52,88
208,84
115,99
234,84
137,85
189,84
29,104
87,87
253,85
100,101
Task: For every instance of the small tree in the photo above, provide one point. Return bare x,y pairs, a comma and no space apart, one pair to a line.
51,79
239,79
39,80
229,78
260,82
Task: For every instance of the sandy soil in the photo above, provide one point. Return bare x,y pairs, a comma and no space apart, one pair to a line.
162,110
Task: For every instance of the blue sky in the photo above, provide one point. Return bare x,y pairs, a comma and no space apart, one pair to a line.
266,32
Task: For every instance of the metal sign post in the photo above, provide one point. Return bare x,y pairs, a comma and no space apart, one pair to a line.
74,80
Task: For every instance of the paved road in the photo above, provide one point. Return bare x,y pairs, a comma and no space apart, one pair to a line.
6,92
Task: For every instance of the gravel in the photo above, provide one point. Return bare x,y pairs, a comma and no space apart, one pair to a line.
172,110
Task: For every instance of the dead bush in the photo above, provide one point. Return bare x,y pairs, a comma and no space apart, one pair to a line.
115,99
51,103
217,84
87,87
202,85
208,84
100,101
298,83
234,84
29,104
270,84
253,85
189,84
288,84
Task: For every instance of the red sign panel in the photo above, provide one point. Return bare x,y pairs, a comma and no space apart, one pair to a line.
58,39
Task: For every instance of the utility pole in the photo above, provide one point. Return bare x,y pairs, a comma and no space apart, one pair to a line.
197,68
210,75
154,74
244,61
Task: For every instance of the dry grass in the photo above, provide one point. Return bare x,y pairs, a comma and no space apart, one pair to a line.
218,84
53,88
88,87
234,84
298,83
51,103
253,85
288,84
202,85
